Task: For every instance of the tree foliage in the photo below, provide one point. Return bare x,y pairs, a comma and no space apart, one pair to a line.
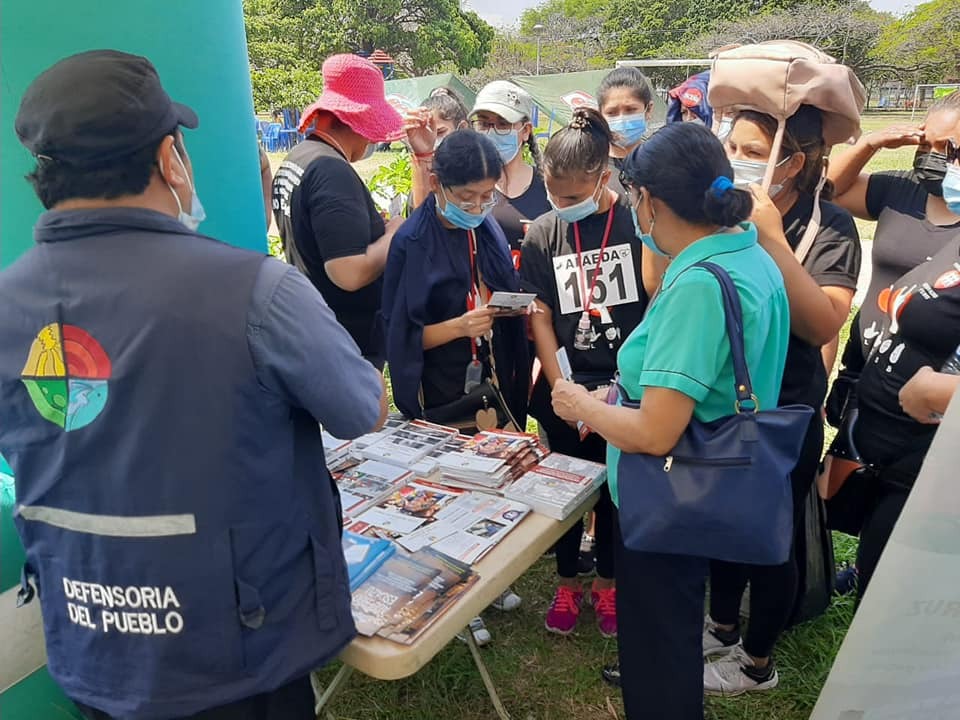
926,42
848,32
289,36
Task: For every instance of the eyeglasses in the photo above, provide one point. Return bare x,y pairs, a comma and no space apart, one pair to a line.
500,127
469,206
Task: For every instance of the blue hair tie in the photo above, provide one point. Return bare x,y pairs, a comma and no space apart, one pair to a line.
719,186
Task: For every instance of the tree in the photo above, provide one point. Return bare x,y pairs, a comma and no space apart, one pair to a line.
848,31
295,36
925,42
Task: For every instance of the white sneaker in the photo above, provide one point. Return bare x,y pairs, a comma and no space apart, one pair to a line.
726,677
507,601
481,636
713,646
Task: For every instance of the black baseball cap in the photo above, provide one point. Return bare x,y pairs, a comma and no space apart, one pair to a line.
97,106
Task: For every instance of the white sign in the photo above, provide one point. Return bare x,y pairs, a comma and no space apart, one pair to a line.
616,278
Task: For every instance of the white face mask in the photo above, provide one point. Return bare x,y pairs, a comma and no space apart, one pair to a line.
368,153
197,214
752,172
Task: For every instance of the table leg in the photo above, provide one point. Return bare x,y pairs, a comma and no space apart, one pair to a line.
485,675
325,696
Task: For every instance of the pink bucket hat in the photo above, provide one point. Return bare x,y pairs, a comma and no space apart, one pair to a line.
353,91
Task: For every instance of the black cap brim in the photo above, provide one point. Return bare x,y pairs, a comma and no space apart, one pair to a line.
186,116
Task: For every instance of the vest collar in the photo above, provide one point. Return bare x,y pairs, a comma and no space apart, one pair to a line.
62,225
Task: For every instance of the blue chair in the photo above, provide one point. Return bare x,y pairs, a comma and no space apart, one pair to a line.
271,137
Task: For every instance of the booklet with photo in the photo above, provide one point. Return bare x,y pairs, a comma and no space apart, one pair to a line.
367,483
452,581
379,600
393,423
405,510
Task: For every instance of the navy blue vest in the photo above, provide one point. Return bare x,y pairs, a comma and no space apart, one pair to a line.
177,518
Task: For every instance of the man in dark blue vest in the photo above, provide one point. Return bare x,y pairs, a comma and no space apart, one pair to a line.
160,394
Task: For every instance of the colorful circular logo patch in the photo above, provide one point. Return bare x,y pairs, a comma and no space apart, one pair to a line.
66,375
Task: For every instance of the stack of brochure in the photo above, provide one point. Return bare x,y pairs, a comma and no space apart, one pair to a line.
408,592
489,460
368,483
558,485
335,450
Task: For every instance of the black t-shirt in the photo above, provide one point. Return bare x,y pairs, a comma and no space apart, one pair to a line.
904,239
833,261
324,212
549,268
921,327
515,215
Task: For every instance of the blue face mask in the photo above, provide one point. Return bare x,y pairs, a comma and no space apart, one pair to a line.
646,238
458,217
578,211
507,145
197,214
951,189
629,128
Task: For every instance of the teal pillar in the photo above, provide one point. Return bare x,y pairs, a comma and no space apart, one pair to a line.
199,49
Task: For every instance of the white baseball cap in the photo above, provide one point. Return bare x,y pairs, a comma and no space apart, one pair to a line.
509,101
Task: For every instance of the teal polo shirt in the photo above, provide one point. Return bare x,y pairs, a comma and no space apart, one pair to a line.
682,342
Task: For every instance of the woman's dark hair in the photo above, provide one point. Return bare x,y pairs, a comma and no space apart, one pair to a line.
803,134
583,146
447,104
678,165
628,77
466,156
55,181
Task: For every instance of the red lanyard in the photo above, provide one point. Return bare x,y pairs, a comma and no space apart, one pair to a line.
473,294
588,297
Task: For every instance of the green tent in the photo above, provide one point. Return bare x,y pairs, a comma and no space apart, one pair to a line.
410,92
558,95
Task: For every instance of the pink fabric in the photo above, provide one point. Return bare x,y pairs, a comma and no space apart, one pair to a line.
353,91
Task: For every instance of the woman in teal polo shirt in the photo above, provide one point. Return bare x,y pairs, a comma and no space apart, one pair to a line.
678,364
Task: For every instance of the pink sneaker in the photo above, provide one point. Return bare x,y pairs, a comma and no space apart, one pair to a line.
604,603
563,613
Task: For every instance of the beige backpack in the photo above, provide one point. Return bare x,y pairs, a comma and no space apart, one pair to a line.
777,77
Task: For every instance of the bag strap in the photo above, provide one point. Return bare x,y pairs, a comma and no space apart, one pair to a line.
733,314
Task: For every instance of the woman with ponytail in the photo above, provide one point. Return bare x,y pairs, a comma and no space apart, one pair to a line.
583,260
820,267
677,365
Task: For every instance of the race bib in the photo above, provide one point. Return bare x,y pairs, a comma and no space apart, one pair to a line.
616,278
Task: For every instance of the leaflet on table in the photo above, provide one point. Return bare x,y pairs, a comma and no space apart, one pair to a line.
409,444
393,423
551,492
469,527
597,472
406,509
453,579
364,555
380,599
368,483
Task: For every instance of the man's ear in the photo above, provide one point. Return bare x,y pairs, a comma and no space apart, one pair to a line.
171,170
